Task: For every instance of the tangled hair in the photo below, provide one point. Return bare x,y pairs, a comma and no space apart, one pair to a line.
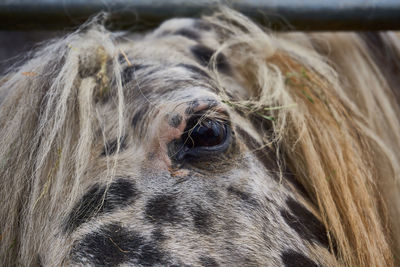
334,126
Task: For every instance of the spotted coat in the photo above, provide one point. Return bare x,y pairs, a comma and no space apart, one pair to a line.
170,204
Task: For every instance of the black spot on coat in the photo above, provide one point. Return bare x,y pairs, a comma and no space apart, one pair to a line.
97,201
208,261
163,209
202,25
195,70
139,116
113,245
289,176
211,103
202,220
264,154
190,34
158,235
191,107
39,261
386,58
111,146
129,72
243,196
175,120
291,258
305,223
203,55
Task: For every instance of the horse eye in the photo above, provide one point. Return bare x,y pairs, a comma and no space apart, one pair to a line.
204,137
206,134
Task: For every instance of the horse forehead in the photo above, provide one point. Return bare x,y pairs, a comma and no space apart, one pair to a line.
166,69
151,215
174,41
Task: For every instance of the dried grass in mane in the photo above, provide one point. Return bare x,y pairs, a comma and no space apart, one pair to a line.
338,136
335,126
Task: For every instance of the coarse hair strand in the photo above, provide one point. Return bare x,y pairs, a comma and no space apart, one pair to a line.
47,122
334,124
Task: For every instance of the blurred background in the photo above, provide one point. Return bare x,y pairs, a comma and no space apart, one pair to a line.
26,23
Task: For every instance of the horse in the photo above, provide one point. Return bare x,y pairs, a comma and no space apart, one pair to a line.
205,142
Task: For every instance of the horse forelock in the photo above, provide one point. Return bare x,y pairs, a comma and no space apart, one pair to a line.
316,119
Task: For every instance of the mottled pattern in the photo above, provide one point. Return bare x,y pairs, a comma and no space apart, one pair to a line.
175,120
99,200
304,223
112,146
163,209
203,55
113,245
174,204
292,258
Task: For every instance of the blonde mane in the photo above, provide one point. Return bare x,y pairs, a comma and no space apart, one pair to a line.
334,116
336,125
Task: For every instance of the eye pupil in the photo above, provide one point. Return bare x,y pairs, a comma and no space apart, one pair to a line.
202,137
206,134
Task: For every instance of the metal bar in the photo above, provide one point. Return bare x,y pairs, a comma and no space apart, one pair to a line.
142,14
